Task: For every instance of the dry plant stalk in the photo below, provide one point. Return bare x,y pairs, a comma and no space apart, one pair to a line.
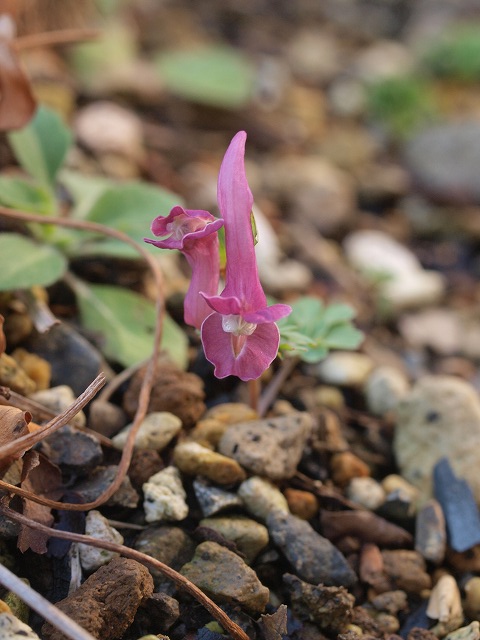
180,581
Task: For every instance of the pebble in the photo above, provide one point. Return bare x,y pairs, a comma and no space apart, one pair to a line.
194,459
261,498
250,536
12,628
160,612
314,55
394,483
381,60
329,607
371,569
168,544
13,376
345,368
391,601
445,605
302,504
164,496
106,603
75,362
459,507
57,399
384,388
144,464
314,558
271,448
470,632
225,577
443,159
438,329
213,425
36,368
424,432
99,480
345,465
213,500
366,492
407,570
72,450
430,532
472,598
106,418
156,431
408,284
96,526
366,526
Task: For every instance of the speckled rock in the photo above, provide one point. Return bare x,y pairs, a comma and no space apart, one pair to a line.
225,577
168,544
271,447
106,603
407,570
250,536
470,632
439,418
384,388
194,459
164,496
11,628
261,497
155,432
345,368
96,525
213,500
313,558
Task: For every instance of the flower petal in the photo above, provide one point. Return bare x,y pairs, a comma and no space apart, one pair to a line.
226,306
269,314
258,352
183,228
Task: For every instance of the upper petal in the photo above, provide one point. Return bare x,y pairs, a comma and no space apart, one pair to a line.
225,305
268,314
183,227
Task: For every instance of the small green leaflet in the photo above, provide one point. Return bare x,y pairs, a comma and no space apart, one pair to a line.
19,193
126,322
312,329
24,263
42,145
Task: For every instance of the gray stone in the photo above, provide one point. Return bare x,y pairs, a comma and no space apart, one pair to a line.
271,447
72,450
384,388
430,532
250,536
225,577
439,418
213,500
99,480
261,497
313,558
97,526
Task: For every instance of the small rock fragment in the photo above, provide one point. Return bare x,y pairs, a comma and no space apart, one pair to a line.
164,496
12,628
345,466
445,605
329,607
458,505
57,399
391,601
407,570
14,377
345,368
372,570
384,388
364,525
160,611
156,431
173,390
106,603
366,492
395,484
145,464
250,536
106,418
194,459
72,450
97,482
168,544
313,557
261,498
213,500
470,632
224,576
472,598
271,447
36,368
96,526
430,532
302,504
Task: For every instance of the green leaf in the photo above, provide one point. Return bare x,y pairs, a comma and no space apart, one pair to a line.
19,193
126,322
130,208
216,75
24,263
41,146
344,336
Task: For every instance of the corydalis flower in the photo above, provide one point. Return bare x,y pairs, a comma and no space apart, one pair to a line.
240,337
194,233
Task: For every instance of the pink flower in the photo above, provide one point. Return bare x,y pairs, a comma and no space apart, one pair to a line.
240,337
194,233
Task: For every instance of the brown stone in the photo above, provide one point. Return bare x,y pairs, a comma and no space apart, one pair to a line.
407,570
145,464
364,525
346,465
106,603
302,504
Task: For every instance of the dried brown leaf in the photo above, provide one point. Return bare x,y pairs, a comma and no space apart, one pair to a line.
17,103
274,626
13,424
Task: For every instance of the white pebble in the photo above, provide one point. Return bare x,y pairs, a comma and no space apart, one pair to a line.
165,496
11,627
261,497
155,432
366,492
96,526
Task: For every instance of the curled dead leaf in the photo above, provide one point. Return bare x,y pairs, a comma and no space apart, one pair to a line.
13,424
17,103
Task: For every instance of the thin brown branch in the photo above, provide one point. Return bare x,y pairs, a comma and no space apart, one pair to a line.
50,38
118,380
145,390
273,388
180,581
42,606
